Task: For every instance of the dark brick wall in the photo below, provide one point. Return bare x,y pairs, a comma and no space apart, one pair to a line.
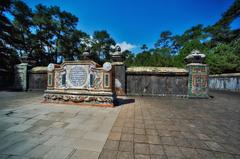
37,81
157,84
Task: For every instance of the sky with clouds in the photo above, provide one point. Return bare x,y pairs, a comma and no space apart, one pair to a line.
135,22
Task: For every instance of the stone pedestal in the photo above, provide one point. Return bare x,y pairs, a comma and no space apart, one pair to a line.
82,82
198,80
20,81
120,78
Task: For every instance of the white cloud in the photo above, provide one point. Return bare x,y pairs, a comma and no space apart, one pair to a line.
126,46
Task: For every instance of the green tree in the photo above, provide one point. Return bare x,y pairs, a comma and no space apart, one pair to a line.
128,58
66,37
162,57
144,47
56,34
222,59
101,46
187,49
23,24
221,31
72,45
165,40
143,59
7,37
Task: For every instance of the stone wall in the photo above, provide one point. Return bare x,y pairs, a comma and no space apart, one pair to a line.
37,78
5,79
226,82
158,81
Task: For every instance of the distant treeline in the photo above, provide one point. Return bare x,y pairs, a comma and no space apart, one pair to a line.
44,34
219,42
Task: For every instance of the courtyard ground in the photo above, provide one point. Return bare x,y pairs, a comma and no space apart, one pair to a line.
142,128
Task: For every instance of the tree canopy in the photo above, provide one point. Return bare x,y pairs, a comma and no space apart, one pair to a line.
43,34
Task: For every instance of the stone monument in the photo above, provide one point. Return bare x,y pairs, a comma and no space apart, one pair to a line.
198,75
119,71
20,81
82,82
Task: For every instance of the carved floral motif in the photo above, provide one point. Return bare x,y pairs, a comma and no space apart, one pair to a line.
77,98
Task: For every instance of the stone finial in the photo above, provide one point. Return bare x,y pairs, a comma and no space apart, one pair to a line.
117,54
195,57
86,55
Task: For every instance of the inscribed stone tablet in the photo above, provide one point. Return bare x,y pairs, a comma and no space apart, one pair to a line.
77,76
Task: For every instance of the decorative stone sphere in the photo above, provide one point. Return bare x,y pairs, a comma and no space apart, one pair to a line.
86,53
51,67
107,66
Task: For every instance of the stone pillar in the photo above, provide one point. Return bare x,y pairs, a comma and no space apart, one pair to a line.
198,80
119,71
20,81
120,78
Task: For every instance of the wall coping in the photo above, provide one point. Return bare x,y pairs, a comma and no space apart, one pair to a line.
157,70
39,69
226,75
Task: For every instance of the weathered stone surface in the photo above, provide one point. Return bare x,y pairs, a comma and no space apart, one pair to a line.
229,82
80,82
120,78
155,84
38,152
114,136
140,138
37,130
83,154
20,81
125,155
127,137
158,70
185,128
189,128
141,156
111,145
108,154
37,81
190,153
59,152
156,150
126,146
141,148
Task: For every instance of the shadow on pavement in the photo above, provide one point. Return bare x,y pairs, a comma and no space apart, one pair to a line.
122,101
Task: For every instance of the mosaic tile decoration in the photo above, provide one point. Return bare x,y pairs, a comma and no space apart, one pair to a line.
81,82
198,81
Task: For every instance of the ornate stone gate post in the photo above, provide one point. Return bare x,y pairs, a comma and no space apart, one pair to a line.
198,75
119,72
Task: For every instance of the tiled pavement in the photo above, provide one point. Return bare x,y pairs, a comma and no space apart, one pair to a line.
151,127
31,129
172,128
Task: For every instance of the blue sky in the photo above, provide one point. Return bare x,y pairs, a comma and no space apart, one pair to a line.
136,22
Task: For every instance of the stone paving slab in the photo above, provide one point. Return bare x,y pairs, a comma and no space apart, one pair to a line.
172,128
31,129
149,128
